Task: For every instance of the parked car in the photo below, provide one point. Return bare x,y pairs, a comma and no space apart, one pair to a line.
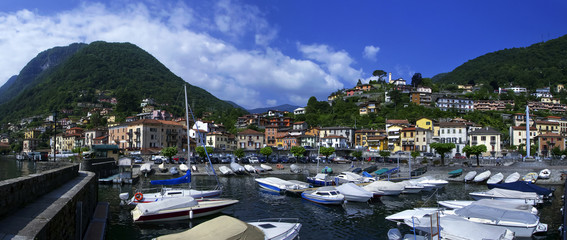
253,160
138,159
273,159
244,160
225,160
339,159
158,161
262,159
292,160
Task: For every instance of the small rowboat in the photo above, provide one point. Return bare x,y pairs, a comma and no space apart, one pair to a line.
456,173
514,177
279,166
470,176
496,178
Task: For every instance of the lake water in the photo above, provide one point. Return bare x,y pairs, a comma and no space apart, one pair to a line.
10,168
351,221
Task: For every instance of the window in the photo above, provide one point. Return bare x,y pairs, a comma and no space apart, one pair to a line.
483,138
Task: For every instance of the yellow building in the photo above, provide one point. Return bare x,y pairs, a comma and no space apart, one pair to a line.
424,123
31,134
394,141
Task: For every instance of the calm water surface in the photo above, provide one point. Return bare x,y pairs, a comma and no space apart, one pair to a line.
351,221
11,168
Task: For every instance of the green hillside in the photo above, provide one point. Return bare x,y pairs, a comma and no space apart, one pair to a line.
101,69
536,66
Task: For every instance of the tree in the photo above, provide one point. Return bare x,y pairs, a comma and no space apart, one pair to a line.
475,150
380,74
359,82
384,154
414,154
416,80
239,153
326,151
357,155
201,151
169,152
556,151
266,151
297,151
442,148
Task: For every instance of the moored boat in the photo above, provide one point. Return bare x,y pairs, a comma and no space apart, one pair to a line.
470,176
146,168
514,177
481,177
384,188
162,167
530,177
496,178
225,170
456,204
354,193
380,171
226,227
266,167
249,168
327,195
237,168
523,187
179,208
456,173
508,195
173,171
544,174
183,167
277,184
294,168
321,179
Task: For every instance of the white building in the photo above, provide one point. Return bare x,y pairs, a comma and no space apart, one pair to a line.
453,132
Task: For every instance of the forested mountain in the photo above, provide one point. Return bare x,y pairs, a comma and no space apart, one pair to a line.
103,70
43,63
285,107
536,66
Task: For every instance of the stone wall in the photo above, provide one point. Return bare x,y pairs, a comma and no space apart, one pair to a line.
18,192
103,167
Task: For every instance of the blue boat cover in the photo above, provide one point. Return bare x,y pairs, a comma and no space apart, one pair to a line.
366,174
174,181
393,170
523,187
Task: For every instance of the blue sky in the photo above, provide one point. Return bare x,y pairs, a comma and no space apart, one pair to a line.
262,53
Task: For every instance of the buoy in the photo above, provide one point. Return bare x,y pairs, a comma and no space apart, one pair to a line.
139,196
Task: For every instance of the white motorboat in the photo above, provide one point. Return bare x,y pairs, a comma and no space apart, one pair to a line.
354,192
183,167
450,226
470,176
456,204
266,167
496,178
277,184
321,179
522,223
162,167
481,177
346,177
249,168
544,174
146,168
226,227
327,195
519,197
179,208
168,193
514,177
428,180
412,187
237,168
384,188
300,184
225,170
295,168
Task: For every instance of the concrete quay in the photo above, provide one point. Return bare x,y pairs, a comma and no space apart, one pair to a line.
56,204
439,172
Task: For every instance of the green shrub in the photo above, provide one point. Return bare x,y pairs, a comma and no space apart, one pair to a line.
436,162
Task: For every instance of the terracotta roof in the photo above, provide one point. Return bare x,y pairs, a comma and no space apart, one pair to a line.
546,123
250,132
397,121
408,129
366,130
549,135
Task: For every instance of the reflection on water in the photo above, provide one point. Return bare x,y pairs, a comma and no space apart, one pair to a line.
11,168
350,221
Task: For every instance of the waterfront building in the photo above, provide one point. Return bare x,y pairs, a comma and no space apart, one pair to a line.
547,141
547,126
250,140
424,123
346,132
518,135
488,137
361,137
454,132
408,139
335,141
423,137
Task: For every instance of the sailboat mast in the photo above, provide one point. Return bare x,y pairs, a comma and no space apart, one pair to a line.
188,127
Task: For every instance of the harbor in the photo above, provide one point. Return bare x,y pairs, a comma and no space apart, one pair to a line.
350,220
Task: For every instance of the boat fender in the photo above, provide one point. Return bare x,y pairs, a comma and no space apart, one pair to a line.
191,214
138,196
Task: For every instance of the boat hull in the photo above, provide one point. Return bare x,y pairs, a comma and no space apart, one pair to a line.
321,200
205,208
172,193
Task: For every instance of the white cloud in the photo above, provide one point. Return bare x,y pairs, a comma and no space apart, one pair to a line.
184,38
370,52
